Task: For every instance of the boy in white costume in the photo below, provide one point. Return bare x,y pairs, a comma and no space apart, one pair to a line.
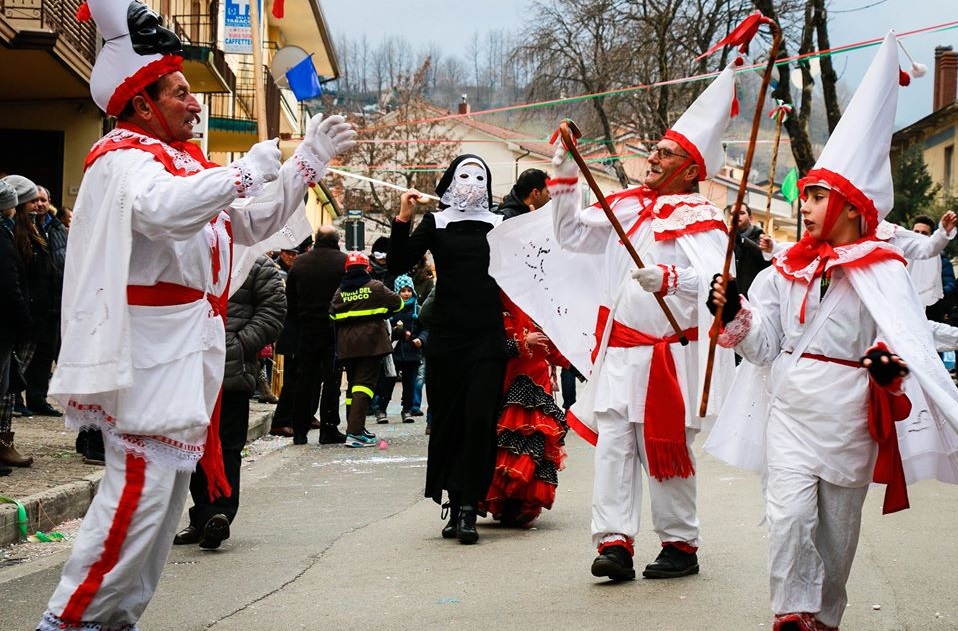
831,318
640,407
143,347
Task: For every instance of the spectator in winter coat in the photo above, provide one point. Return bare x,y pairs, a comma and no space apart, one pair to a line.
749,260
14,318
310,286
358,311
254,317
408,337
528,193
37,374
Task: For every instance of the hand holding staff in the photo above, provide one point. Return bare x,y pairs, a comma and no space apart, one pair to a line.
740,36
569,132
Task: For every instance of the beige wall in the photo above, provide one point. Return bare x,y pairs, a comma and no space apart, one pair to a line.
935,158
80,122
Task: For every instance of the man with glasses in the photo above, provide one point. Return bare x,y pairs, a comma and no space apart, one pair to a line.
640,406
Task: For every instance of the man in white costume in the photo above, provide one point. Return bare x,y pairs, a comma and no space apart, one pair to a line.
640,407
838,321
143,347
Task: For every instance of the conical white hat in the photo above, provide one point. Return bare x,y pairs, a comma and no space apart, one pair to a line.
700,129
855,159
120,72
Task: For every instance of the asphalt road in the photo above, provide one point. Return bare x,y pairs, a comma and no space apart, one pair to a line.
332,538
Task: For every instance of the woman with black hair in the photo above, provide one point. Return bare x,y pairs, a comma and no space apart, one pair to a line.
466,353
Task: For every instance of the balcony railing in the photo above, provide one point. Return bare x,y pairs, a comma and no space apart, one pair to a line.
57,16
198,34
241,105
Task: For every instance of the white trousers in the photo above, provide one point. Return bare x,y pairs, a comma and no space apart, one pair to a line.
617,489
813,529
121,547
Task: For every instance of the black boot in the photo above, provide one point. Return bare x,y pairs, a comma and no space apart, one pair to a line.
672,563
451,529
615,562
467,525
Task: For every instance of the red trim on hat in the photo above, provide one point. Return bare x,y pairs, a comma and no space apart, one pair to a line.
849,191
690,147
143,77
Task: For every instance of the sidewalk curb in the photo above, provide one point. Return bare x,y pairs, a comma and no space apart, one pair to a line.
54,506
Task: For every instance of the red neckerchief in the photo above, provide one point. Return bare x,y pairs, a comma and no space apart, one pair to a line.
810,258
128,136
658,213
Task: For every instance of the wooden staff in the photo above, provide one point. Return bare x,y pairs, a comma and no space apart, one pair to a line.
743,185
569,133
780,113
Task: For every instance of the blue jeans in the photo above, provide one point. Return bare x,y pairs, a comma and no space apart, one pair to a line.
417,388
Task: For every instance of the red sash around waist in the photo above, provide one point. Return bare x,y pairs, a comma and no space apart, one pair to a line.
886,406
166,295
665,443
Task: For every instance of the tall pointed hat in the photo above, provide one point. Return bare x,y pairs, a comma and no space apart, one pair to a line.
855,159
136,51
699,130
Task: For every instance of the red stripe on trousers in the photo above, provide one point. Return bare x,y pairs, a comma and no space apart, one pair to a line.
128,503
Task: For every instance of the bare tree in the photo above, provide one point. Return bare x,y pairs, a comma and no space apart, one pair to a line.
599,46
407,155
807,23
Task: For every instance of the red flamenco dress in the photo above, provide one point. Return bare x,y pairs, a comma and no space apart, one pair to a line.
531,428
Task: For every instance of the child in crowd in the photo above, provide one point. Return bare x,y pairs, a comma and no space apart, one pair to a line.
835,320
408,337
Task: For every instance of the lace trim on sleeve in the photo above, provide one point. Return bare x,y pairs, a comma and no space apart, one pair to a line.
246,182
310,166
735,331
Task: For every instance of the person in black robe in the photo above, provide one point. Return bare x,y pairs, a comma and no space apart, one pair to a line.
466,352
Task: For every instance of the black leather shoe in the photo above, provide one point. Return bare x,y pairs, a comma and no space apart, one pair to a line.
466,526
672,563
189,536
299,440
451,529
42,408
615,562
217,529
331,436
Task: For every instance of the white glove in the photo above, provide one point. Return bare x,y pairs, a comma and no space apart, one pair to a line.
259,166
328,137
565,166
650,278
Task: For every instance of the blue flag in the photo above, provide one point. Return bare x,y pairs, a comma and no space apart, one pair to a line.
303,80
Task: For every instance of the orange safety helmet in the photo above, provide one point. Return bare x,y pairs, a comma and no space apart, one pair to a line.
357,257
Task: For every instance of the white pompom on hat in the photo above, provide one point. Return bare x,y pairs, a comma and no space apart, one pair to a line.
700,129
855,159
120,73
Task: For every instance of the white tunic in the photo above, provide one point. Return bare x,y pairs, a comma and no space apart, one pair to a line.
620,377
149,376
818,410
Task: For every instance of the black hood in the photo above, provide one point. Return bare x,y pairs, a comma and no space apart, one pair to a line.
446,178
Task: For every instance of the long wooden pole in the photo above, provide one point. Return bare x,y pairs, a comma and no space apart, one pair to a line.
259,79
743,185
780,113
569,133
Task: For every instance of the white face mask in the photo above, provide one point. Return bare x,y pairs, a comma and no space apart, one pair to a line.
468,190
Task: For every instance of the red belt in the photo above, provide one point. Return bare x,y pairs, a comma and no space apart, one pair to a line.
666,449
886,406
167,295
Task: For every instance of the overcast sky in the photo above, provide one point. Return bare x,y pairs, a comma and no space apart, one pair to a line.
451,23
